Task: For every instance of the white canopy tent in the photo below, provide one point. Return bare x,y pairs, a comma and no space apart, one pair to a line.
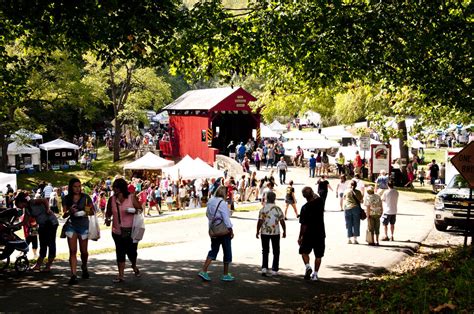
189,169
14,149
349,152
7,178
149,161
311,144
266,132
162,118
336,132
22,133
310,117
277,127
57,144
300,135
412,143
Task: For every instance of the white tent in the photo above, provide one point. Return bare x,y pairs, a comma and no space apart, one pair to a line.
310,117
58,144
7,178
349,151
300,135
162,118
189,169
15,149
277,127
266,132
55,145
310,144
412,143
336,132
149,161
26,134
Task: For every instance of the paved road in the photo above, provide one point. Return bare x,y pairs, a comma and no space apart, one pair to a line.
169,281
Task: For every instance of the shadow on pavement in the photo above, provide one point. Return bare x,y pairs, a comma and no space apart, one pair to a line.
358,269
164,286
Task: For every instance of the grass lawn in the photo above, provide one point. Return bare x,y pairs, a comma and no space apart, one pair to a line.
437,154
102,167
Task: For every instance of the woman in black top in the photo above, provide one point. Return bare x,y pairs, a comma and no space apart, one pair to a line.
76,207
290,199
48,225
323,189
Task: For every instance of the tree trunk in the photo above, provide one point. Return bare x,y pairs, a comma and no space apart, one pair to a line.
402,127
116,143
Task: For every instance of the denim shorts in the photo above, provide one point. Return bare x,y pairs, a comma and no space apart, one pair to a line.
225,241
82,232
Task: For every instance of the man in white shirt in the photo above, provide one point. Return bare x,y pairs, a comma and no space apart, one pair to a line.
390,200
47,191
282,168
269,219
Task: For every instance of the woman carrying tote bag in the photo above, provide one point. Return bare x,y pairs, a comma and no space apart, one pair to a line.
217,213
122,207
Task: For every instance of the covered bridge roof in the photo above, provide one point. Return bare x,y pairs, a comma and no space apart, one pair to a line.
205,99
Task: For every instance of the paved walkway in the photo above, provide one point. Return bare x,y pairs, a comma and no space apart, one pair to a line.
169,281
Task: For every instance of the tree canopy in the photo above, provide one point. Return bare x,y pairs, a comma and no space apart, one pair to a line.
425,45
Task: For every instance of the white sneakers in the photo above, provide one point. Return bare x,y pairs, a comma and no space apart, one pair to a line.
267,273
314,277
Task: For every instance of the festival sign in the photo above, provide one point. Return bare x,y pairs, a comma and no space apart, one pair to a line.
381,156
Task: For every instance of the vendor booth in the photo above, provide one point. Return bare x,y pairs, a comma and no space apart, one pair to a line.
148,167
60,154
23,157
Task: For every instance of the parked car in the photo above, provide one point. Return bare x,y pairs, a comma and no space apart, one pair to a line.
451,205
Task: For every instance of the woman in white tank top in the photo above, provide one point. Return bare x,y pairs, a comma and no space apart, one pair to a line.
341,187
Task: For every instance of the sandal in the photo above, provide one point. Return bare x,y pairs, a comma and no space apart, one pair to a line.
136,271
118,280
36,268
47,269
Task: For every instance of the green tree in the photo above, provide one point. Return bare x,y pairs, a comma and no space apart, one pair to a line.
130,34
37,90
129,90
423,45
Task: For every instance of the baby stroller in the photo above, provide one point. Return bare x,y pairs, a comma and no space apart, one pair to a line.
10,242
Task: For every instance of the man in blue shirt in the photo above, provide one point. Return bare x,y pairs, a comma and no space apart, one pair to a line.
312,166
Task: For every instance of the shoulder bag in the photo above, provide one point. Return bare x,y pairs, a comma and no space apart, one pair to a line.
363,215
63,229
217,227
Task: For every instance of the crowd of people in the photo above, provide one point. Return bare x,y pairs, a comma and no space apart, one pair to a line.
113,199
376,203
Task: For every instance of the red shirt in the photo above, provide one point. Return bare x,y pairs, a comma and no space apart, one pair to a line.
131,188
357,161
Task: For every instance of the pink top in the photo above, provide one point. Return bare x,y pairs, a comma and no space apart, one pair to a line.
126,218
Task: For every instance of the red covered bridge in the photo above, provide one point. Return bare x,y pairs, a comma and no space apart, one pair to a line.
203,122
